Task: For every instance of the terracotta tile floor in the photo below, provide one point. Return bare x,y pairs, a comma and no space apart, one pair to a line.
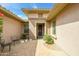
22,49
32,48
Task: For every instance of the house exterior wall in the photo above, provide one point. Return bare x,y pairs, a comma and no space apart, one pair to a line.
37,15
32,15
11,27
49,27
67,29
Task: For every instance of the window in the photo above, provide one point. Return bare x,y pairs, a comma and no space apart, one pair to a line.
26,28
54,27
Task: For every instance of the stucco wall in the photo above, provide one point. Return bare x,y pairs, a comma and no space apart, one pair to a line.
37,15
67,29
49,27
11,27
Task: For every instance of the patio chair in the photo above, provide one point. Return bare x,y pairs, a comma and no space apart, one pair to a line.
5,43
25,36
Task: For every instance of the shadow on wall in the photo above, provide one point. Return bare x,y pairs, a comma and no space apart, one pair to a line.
31,35
32,29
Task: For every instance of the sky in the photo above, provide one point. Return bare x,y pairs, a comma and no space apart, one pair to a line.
16,8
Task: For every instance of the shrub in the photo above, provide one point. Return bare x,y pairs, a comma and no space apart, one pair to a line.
48,39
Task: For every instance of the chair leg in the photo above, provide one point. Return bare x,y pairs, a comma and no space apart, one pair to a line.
10,47
28,38
2,48
24,40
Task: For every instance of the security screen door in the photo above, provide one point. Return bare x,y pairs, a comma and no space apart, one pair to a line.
40,30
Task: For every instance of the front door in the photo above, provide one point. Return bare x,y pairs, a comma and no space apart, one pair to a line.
40,30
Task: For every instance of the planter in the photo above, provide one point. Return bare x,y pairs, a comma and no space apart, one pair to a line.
48,45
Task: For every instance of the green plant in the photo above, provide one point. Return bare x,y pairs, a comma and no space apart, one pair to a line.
48,39
1,23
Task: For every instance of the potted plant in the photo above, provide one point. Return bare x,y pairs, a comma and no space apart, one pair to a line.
49,40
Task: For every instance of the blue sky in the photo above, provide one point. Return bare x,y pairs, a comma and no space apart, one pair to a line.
16,8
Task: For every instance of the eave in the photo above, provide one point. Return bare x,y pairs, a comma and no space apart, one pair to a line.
32,11
56,10
10,14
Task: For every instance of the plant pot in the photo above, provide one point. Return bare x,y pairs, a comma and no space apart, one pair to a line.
48,45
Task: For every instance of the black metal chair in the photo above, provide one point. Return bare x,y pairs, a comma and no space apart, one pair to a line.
3,44
25,36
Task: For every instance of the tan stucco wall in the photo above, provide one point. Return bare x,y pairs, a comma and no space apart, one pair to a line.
67,29
49,27
37,15
32,27
11,27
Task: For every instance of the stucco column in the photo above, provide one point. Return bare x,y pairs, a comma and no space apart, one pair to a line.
48,27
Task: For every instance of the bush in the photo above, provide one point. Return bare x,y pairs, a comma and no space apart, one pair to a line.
48,39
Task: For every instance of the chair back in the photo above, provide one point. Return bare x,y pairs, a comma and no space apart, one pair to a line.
1,40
